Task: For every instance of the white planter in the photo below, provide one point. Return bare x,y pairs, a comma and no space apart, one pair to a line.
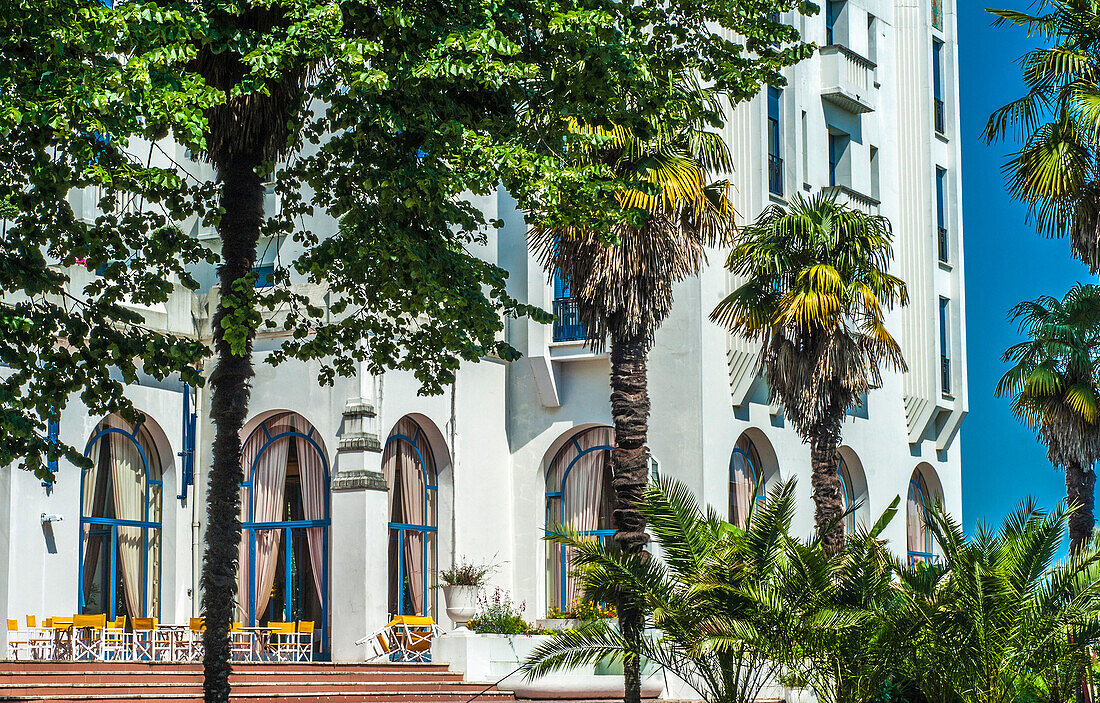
461,603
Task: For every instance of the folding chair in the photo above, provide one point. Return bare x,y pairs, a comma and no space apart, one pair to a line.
18,640
282,645
60,631
241,646
406,638
149,644
304,642
195,645
118,644
88,637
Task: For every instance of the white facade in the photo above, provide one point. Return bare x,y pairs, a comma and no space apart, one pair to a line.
860,117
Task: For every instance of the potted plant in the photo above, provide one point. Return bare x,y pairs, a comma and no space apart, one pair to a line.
461,584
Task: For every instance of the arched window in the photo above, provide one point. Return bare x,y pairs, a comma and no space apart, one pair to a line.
410,470
746,484
847,494
579,494
120,522
918,536
283,573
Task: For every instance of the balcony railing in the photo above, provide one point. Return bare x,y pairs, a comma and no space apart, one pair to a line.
945,375
940,118
922,558
941,242
848,79
567,323
854,198
937,14
775,175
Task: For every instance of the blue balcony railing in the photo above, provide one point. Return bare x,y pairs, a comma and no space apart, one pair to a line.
922,558
567,323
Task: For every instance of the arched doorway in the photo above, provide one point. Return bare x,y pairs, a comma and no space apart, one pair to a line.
285,521
923,493
752,472
411,474
579,494
120,521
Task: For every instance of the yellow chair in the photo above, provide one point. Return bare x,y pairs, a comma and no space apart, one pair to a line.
282,643
60,632
150,644
195,647
304,641
406,638
18,641
118,644
87,639
241,645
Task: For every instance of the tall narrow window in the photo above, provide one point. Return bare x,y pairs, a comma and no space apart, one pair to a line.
567,323
937,87
775,141
839,169
833,10
941,215
876,186
805,151
945,346
872,38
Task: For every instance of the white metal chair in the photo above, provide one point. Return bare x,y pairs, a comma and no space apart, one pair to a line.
242,646
87,637
19,641
118,644
304,641
149,644
406,638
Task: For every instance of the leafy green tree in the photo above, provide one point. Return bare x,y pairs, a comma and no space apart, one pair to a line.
1054,384
1055,170
816,294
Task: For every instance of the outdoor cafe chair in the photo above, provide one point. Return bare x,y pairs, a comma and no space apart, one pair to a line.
118,644
282,642
406,638
241,644
303,641
18,640
195,645
87,637
150,644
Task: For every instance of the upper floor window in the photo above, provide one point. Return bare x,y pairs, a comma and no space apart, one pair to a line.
567,323
775,142
840,173
937,14
834,33
938,87
941,215
945,346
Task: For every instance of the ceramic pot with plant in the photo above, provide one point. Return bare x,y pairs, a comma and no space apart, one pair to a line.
461,585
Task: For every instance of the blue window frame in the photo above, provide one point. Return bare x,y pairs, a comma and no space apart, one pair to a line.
848,494
775,142
578,483
919,537
747,487
567,322
265,275
410,469
296,602
120,522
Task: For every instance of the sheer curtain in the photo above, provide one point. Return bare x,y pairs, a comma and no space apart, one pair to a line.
267,493
407,506
741,488
312,470
93,504
915,524
584,493
128,492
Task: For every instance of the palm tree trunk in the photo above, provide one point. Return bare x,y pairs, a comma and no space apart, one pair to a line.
1080,482
827,487
242,195
630,469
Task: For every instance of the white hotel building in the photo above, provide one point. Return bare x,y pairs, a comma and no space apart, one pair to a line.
357,494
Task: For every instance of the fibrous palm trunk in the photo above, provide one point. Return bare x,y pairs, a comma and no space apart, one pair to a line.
1080,482
242,194
827,487
630,469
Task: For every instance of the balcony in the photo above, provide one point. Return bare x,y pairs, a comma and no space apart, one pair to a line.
848,80
775,175
939,117
853,198
923,558
567,323
945,375
942,245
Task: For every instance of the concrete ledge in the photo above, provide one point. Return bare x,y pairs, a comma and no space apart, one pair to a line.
352,480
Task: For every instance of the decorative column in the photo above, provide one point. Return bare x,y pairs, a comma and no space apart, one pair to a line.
360,518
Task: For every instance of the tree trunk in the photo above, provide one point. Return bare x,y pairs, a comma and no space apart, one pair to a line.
242,202
827,487
630,469
1080,482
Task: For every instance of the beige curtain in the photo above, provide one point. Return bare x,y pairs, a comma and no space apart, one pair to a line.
267,493
93,504
312,470
915,526
402,464
128,493
742,488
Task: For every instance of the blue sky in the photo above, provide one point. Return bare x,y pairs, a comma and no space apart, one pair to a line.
1006,262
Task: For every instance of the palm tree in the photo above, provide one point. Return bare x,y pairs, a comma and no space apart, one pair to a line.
623,292
816,296
1054,384
1056,172
246,133
1002,616
714,597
